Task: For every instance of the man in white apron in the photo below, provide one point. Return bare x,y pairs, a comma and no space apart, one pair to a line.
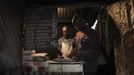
65,43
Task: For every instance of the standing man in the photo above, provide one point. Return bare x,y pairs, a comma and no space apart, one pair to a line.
65,43
86,45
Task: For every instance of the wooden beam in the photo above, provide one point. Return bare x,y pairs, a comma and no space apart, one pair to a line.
79,5
64,21
73,5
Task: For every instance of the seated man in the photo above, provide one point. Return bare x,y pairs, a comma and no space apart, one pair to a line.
65,43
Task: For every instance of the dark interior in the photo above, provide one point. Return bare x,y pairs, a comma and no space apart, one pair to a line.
18,23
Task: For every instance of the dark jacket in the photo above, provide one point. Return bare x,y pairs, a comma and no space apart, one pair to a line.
87,45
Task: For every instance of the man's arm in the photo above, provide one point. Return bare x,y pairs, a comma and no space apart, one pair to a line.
59,44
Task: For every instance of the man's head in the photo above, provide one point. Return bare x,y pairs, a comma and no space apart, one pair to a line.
65,31
78,22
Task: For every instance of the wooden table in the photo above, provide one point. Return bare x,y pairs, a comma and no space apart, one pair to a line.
65,68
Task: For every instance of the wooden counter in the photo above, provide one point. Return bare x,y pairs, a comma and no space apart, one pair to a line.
52,68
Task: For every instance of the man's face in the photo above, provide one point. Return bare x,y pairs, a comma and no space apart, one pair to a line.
65,32
79,28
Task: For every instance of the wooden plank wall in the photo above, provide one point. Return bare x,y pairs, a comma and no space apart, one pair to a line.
40,28
11,17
